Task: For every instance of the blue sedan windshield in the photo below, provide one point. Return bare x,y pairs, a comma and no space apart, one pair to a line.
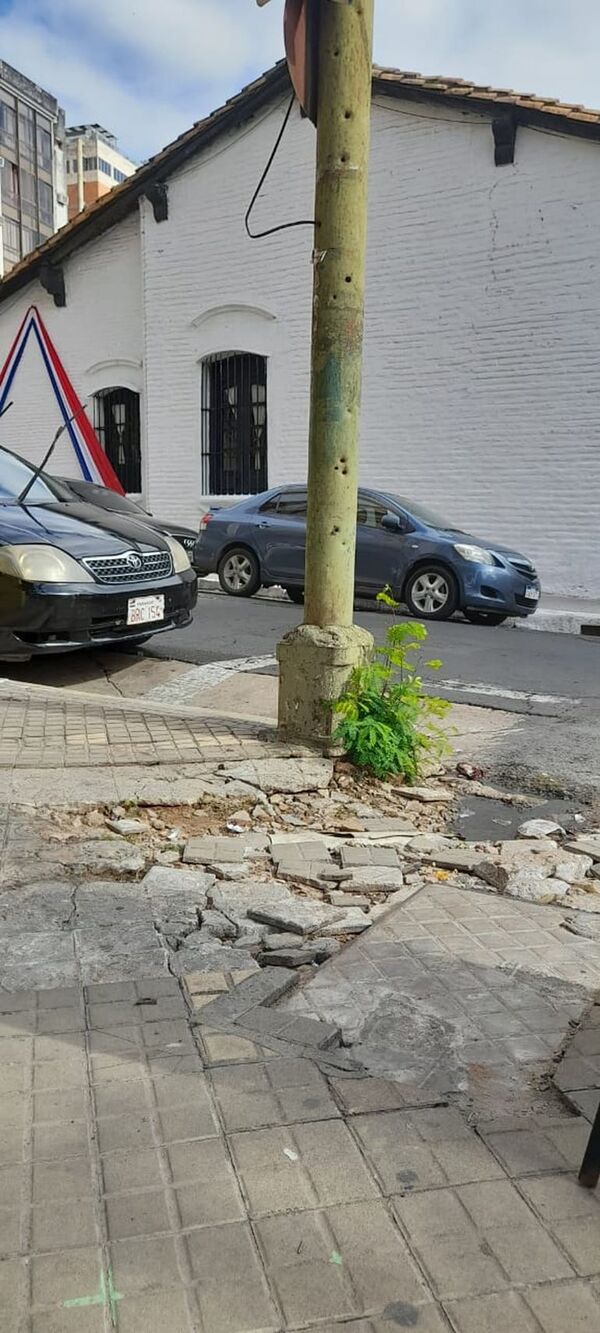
424,514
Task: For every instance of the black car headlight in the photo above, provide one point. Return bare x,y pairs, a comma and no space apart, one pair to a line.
181,560
42,564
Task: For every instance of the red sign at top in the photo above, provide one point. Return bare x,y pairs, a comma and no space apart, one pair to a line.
301,33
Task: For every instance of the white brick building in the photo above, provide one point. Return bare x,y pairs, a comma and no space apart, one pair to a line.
482,338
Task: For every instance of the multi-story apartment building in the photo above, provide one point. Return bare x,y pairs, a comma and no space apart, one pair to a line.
33,197
94,165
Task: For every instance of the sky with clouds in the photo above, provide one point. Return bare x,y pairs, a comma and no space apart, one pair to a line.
146,69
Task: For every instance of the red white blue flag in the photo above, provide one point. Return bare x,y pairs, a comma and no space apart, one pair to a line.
90,455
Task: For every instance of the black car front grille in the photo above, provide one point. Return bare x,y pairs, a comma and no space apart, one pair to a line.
131,567
524,567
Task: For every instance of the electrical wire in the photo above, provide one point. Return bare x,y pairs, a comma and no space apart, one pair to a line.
283,226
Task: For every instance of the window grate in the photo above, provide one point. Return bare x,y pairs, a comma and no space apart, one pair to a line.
234,424
118,427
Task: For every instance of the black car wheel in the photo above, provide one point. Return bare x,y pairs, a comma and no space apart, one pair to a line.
239,574
431,592
485,617
295,595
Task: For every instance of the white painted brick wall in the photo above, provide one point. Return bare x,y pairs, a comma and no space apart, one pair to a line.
481,387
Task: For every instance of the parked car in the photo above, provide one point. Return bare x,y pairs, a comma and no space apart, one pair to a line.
431,566
73,575
121,504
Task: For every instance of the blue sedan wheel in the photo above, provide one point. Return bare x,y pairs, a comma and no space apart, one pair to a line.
239,574
431,592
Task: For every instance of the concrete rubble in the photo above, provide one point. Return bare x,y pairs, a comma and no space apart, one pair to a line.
300,859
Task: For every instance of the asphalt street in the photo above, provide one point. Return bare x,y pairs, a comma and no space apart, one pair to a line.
546,674
550,683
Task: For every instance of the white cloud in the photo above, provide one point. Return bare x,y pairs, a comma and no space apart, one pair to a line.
147,69
544,46
141,121
184,39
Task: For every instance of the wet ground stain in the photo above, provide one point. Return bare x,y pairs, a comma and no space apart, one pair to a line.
483,819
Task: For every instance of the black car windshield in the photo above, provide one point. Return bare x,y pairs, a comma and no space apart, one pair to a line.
424,514
14,476
102,496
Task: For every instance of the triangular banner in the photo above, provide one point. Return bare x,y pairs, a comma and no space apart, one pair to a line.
90,455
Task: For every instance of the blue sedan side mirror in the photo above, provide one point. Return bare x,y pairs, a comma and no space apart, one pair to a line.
392,523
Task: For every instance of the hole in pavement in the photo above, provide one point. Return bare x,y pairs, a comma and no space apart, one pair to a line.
483,819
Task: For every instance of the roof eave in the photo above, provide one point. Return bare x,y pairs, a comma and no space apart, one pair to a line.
111,209
558,122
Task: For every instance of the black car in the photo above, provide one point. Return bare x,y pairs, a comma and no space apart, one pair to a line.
121,504
73,575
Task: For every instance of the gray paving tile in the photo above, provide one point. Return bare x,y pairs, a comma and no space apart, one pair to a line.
353,1262
74,1320
489,1314
11,1185
206,1188
122,1098
215,1254
304,1166
62,1104
62,1226
61,1138
560,1198
149,1261
9,1231
136,1168
12,1290
161,1310
559,1306
580,1237
419,1149
127,1131
67,1178
140,1213
251,1096
530,1151
479,1239
56,1278
195,1121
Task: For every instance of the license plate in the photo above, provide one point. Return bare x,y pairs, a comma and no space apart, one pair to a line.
532,593
145,610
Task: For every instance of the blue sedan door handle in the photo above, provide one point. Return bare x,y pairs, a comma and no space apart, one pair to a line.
265,523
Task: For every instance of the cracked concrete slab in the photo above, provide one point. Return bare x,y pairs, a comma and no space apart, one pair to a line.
462,994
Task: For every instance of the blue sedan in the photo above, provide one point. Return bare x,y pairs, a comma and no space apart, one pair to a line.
433,568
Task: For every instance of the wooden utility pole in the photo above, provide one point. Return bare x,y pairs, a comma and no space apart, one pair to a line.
316,658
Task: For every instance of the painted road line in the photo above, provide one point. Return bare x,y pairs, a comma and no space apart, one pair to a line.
204,677
500,692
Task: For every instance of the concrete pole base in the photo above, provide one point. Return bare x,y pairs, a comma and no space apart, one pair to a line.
314,665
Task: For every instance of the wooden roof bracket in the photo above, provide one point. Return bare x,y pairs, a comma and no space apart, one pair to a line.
52,279
157,193
504,130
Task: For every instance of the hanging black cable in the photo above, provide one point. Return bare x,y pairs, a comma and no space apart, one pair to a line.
283,226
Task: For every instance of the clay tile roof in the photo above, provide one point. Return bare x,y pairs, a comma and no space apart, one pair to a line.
543,112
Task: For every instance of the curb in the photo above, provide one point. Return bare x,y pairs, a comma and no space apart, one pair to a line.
545,619
583,623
